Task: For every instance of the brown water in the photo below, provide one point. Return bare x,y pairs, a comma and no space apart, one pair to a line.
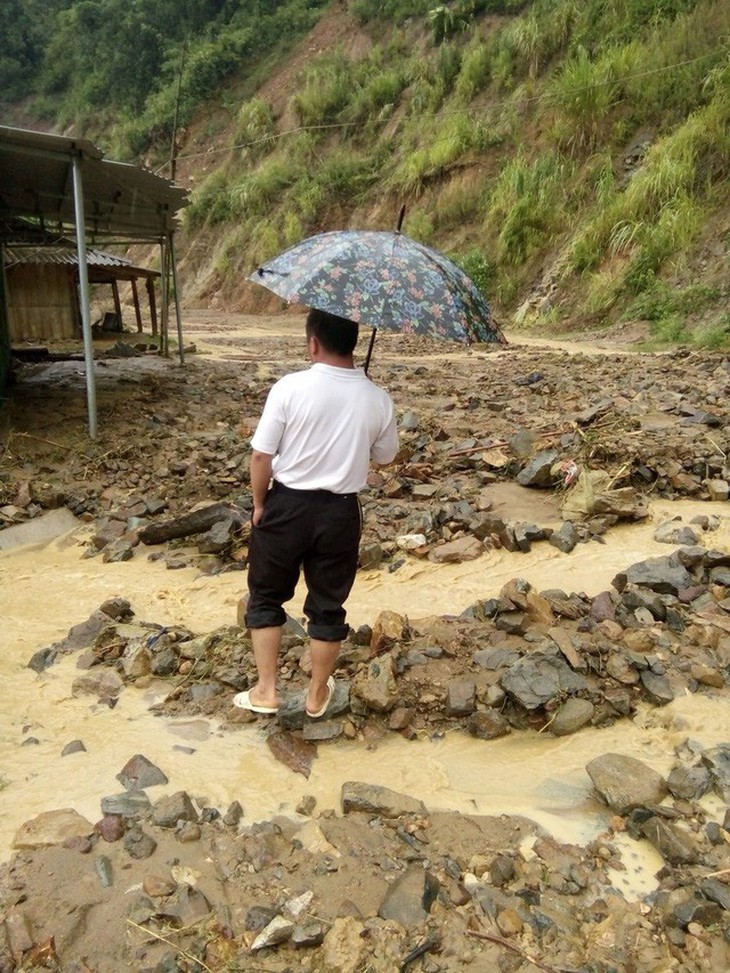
47,587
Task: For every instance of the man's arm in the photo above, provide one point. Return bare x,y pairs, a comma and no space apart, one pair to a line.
260,477
385,448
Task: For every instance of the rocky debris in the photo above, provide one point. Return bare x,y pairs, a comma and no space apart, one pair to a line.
199,888
636,432
380,882
551,660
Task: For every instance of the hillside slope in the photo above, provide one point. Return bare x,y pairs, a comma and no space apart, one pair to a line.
580,177
572,156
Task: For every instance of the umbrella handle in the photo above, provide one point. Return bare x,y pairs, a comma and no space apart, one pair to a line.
401,215
370,351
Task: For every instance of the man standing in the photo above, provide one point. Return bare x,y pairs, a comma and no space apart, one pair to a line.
317,434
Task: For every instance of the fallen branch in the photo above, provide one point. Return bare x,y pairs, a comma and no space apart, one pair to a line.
427,946
500,941
723,871
47,442
168,942
196,522
504,442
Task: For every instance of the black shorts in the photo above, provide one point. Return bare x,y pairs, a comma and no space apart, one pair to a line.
311,530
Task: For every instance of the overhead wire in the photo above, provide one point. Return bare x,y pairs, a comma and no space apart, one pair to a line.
493,106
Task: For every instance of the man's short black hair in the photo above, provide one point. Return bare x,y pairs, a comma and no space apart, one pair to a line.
336,335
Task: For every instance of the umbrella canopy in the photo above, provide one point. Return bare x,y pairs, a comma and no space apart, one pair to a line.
383,279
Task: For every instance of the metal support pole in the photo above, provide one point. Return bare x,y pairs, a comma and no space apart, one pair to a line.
165,295
84,294
181,350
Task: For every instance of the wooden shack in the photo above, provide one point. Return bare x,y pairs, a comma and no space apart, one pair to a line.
42,290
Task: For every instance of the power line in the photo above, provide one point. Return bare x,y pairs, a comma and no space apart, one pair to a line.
535,99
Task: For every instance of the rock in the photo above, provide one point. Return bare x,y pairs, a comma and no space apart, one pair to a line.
127,805
370,557
43,659
676,846
136,661
565,538
310,934
409,899
718,490
188,906
538,679
138,844
488,725
176,807
538,472
75,746
233,815
258,917
111,827
105,684
689,783
672,532
218,538
625,783
717,761
376,686
662,574
389,629
279,930
345,948
373,799
509,922
292,713
51,828
410,542
139,773
460,697
321,730
571,716
157,886
455,552
501,870
294,752
657,686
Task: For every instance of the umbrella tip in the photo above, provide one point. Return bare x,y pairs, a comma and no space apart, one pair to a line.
401,215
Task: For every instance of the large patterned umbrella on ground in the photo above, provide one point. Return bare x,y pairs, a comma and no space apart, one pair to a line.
385,280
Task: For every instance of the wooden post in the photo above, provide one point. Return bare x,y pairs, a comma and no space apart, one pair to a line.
137,312
117,302
153,306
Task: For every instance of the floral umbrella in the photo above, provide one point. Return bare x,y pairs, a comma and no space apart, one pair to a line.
383,279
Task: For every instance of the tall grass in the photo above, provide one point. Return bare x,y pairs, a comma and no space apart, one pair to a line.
527,206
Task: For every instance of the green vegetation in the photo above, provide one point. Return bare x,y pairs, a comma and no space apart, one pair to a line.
578,141
95,64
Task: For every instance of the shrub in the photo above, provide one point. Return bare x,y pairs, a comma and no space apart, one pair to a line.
474,73
255,128
476,265
527,205
326,90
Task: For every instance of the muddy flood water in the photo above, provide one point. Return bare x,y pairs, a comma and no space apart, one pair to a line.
46,587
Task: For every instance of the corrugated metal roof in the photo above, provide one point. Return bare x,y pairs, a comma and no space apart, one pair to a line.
60,255
120,200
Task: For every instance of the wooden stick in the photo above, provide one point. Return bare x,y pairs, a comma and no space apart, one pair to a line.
504,442
500,941
168,942
38,439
